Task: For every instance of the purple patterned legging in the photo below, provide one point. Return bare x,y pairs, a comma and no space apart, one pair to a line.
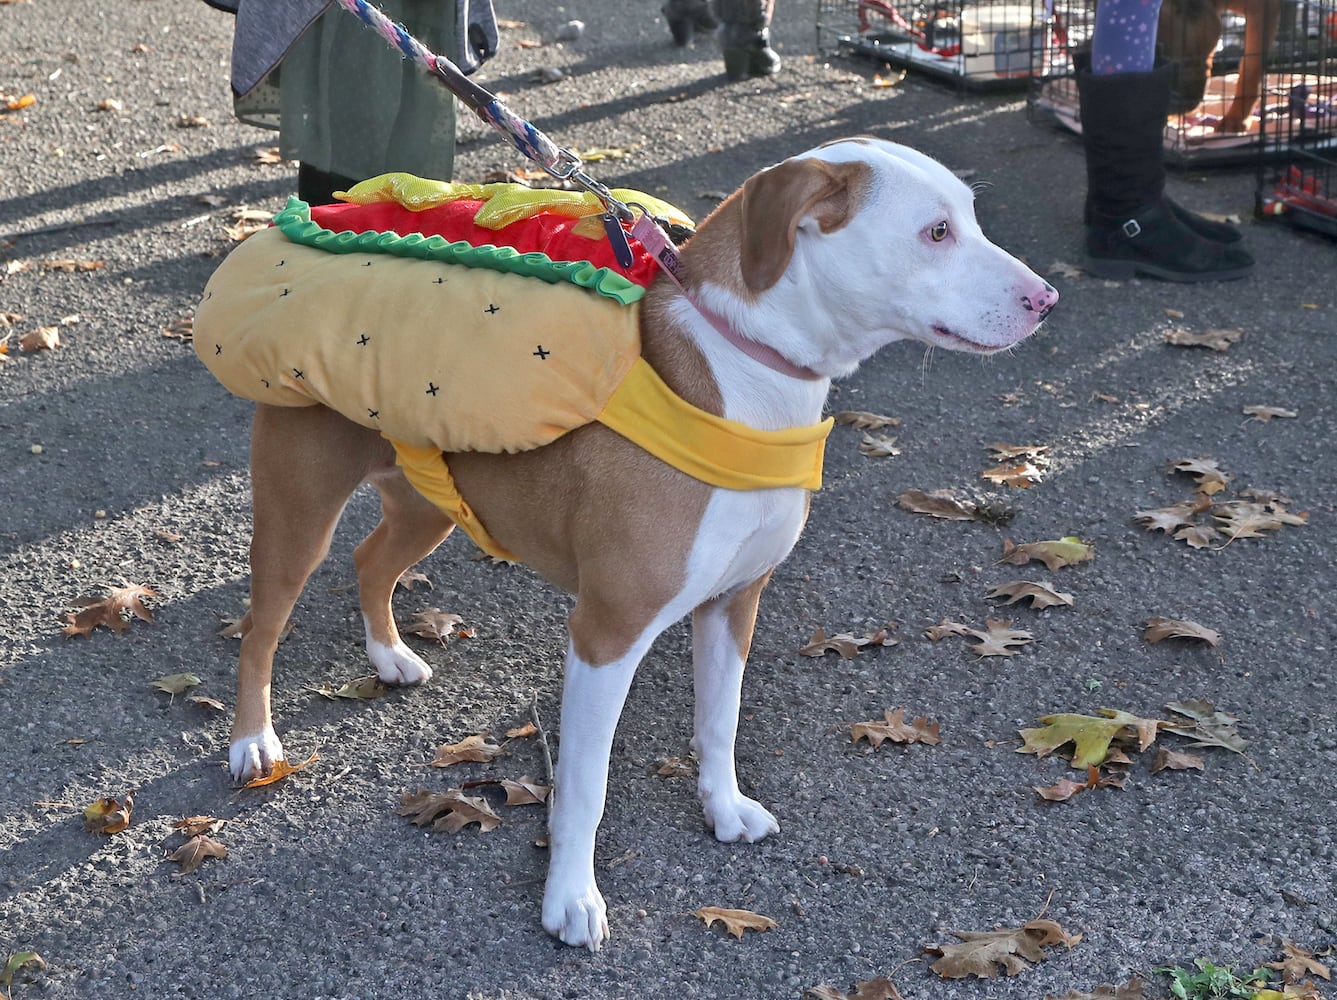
1124,40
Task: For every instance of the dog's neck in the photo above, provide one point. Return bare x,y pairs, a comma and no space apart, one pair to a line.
713,372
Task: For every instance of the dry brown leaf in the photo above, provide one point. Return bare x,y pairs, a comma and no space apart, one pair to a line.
471,748
69,266
1216,340
896,729
206,701
1266,413
735,921
267,155
519,732
1175,760
194,825
109,815
411,578
1206,472
1021,475
110,104
1168,628
525,791
358,689
1054,553
676,767
938,503
878,446
1245,519
1208,728
193,121
194,851
44,338
862,420
1066,788
1041,595
1175,518
110,611
1298,964
450,810
945,628
1011,950
282,769
870,989
998,638
1132,990
433,623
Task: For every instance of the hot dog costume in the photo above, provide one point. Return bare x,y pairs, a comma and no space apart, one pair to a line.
455,317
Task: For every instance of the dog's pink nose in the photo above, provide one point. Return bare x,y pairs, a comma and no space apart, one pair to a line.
1043,302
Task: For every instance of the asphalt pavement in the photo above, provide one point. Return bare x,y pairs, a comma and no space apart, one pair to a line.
121,459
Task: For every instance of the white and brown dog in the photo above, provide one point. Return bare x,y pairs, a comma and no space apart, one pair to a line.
820,260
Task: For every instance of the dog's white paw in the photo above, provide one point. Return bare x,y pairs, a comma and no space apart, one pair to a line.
254,756
734,817
397,664
575,914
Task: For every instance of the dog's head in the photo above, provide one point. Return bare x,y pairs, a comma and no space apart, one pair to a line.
1188,33
859,243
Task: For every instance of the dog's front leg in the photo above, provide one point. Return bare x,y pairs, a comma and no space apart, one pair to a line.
592,699
721,639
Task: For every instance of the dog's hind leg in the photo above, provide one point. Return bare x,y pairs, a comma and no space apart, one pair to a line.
411,527
721,638
301,477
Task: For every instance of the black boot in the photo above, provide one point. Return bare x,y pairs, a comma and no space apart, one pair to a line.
1132,227
747,38
687,17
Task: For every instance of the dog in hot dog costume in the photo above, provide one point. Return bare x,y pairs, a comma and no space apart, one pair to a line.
455,317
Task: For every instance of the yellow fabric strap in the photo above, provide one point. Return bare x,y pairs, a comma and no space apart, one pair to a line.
426,471
712,449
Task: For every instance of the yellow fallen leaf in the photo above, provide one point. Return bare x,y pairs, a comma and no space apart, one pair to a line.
735,921
109,815
281,770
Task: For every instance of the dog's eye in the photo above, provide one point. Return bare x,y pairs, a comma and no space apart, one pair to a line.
938,231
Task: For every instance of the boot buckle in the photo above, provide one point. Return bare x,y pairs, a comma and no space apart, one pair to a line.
1131,228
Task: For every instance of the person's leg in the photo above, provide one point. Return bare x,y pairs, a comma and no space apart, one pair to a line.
1132,228
747,39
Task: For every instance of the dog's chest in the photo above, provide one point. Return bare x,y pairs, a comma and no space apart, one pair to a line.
743,536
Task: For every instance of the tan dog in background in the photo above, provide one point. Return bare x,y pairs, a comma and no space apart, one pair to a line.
1188,33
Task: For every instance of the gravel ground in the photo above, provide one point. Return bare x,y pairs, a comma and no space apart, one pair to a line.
327,893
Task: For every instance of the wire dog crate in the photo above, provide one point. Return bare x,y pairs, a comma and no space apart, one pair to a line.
977,44
1228,125
1297,178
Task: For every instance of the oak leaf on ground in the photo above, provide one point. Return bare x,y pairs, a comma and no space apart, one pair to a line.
471,748
1090,735
735,921
1010,950
870,989
282,769
847,644
1245,519
861,420
450,810
1041,595
676,767
1266,413
878,446
410,578
433,623
1054,553
175,684
519,732
998,638
111,611
1173,628
1205,726
1176,760
525,791
192,826
194,851
1215,339
1066,788
1298,964
206,701
1206,472
44,338
945,504
358,689
1174,518
109,815
896,729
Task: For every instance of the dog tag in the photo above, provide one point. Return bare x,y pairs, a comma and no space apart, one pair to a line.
617,236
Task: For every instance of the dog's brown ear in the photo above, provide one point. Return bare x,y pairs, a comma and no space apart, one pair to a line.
776,200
